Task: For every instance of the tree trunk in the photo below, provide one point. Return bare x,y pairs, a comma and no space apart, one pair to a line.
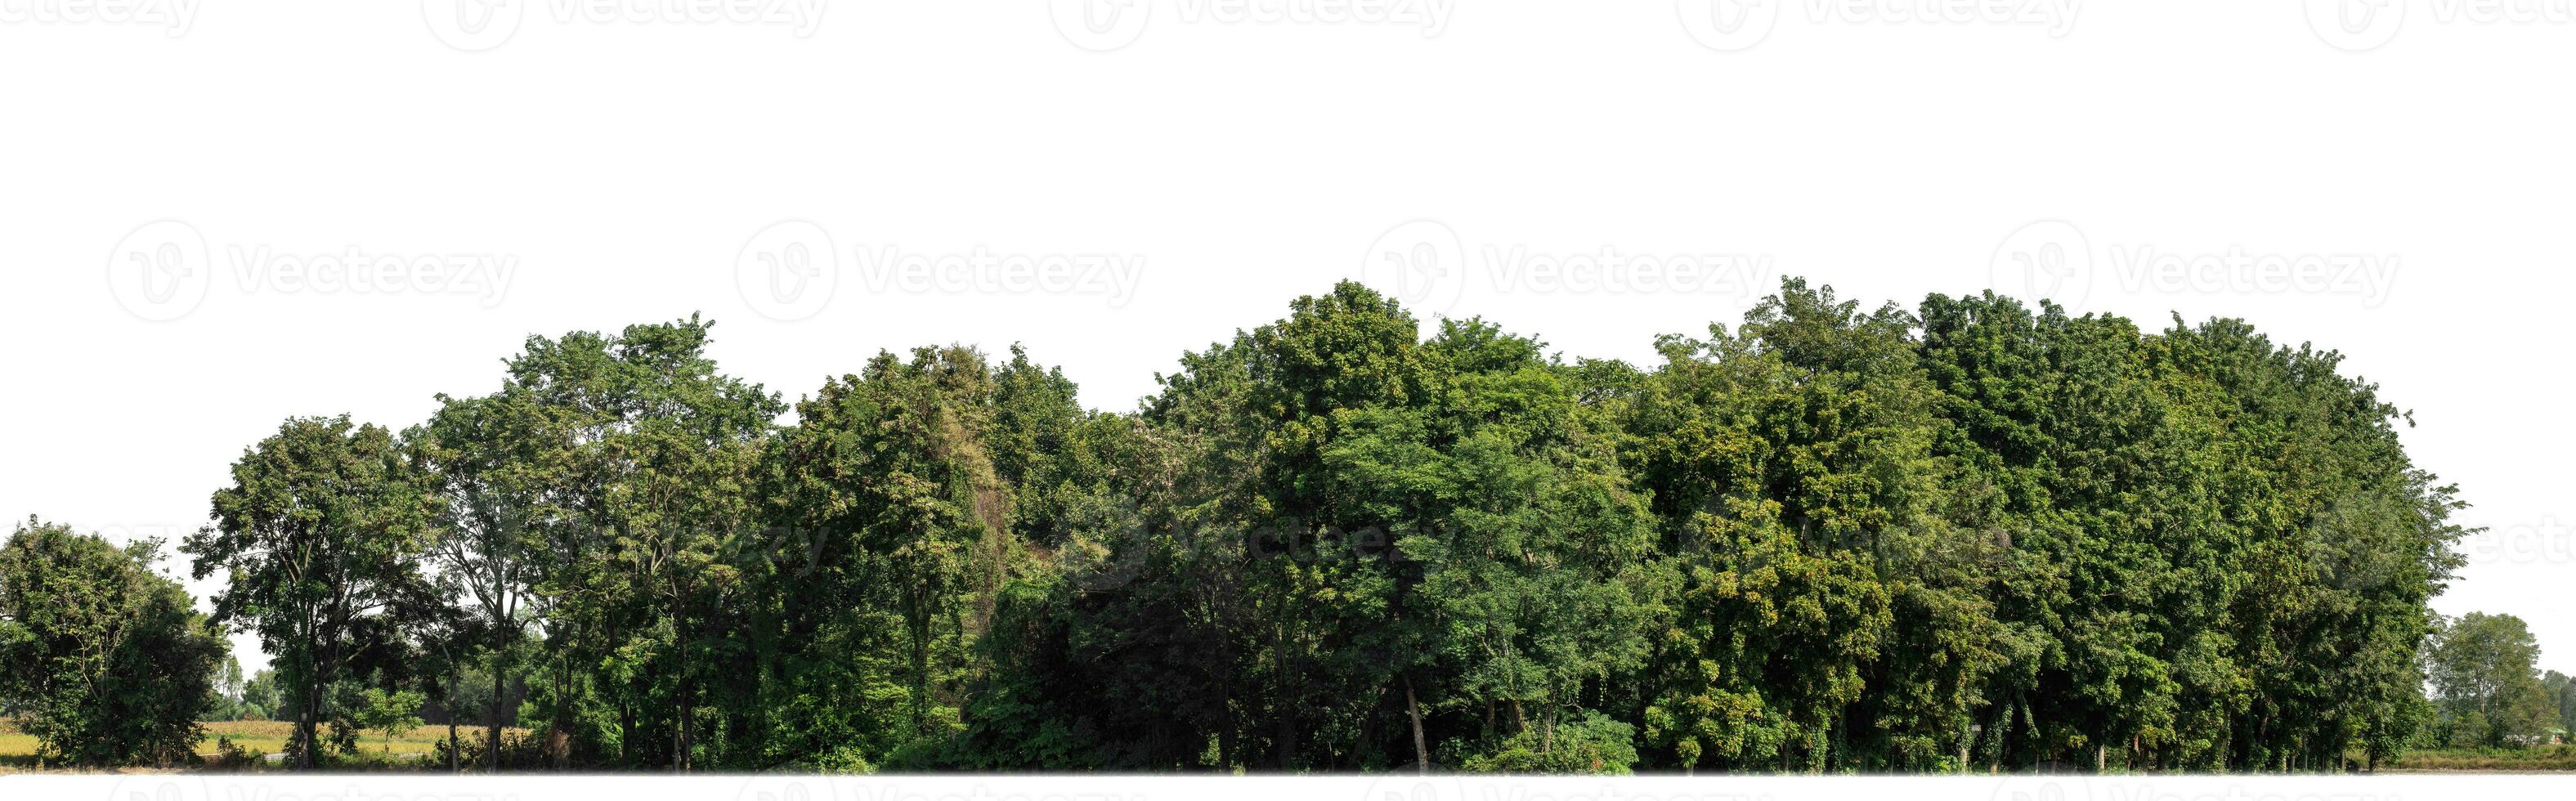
305,721
917,625
680,755
1421,753
1228,750
492,715
1284,710
1285,733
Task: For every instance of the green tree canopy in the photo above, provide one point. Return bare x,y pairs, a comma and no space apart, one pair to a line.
102,660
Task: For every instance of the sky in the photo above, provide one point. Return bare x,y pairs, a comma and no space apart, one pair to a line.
215,216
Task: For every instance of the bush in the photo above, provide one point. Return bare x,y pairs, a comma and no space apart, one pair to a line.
520,750
104,661
1594,745
230,755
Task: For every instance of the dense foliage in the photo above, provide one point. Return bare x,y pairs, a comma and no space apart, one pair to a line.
1833,538
104,661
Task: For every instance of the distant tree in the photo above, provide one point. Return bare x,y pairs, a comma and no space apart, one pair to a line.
2483,674
390,713
2562,691
224,690
104,661
260,696
322,538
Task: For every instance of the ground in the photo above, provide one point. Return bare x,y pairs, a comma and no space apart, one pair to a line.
18,751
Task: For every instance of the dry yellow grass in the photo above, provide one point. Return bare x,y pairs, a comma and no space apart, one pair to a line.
266,736
271,735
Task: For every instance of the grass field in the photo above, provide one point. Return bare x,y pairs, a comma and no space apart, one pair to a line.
18,750
2524,760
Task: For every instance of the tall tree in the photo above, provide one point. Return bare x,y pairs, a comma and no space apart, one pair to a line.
889,485
321,536
477,454
637,459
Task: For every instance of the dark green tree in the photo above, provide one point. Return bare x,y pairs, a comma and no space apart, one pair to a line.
102,660
322,539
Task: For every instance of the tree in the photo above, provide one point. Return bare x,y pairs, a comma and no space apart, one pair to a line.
627,464
2562,694
477,454
890,479
225,683
260,696
1835,537
321,537
1525,555
104,661
391,713
2482,670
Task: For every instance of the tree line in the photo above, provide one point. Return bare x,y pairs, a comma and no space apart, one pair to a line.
1974,535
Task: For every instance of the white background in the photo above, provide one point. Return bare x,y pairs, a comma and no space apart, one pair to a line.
627,169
